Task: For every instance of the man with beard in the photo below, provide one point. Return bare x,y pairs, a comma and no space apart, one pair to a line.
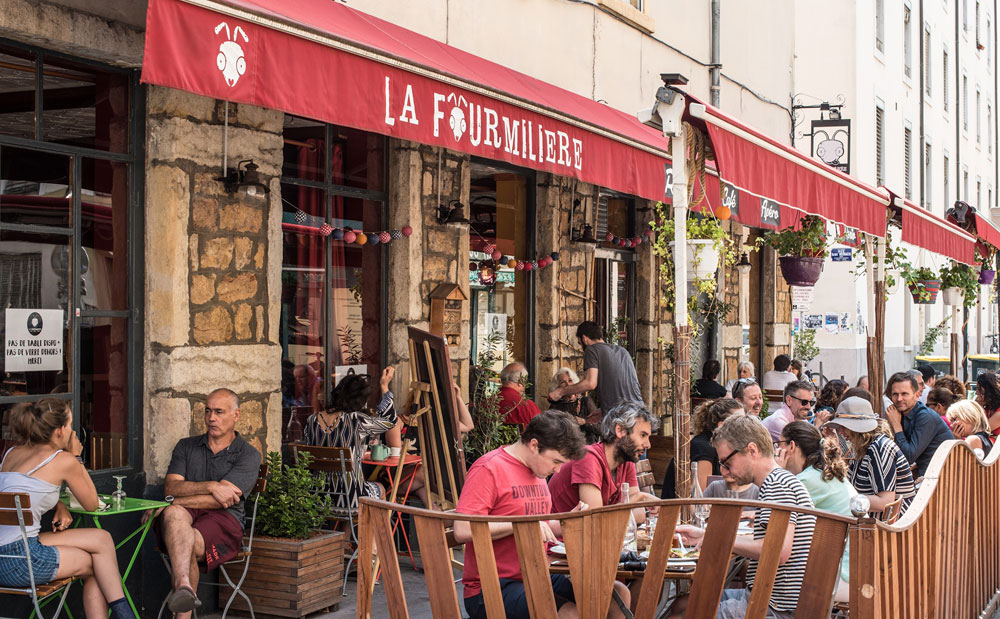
918,430
596,479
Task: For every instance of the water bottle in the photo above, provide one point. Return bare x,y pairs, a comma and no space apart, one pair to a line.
700,509
631,527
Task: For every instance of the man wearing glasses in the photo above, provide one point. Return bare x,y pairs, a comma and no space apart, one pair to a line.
798,402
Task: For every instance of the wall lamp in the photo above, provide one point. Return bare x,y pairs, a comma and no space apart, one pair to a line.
586,232
454,213
743,266
245,176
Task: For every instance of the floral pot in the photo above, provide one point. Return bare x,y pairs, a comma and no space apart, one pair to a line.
800,270
703,258
986,276
925,291
952,296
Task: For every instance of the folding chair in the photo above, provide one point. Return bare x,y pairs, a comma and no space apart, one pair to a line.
336,461
242,558
15,510
891,512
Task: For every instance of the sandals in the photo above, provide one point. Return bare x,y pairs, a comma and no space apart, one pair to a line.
182,600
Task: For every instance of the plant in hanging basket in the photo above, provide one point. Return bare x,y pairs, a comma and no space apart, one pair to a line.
707,244
922,282
801,251
895,260
960,277
985,255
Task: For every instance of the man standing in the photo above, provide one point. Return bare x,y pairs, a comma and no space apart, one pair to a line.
747,391
745,449
596,478
797,404
607,368
513,405
510,481
207,482
917,429
779,376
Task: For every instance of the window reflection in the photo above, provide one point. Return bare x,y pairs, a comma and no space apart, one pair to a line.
17,93
103,235
35,187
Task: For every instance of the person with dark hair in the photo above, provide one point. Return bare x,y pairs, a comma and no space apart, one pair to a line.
510,481
829,398
929,376
797,403
917,429
988,396
207,483
704,421
596,479
952,384
607,368
817,463
938,400
856,392
796,367
346,422
708,385
44,458
779,376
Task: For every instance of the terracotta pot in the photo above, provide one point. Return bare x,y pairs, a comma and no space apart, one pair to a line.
925,291
986,276
801,271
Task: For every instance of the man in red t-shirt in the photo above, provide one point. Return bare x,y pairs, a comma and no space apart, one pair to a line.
596,478
513,405
510,481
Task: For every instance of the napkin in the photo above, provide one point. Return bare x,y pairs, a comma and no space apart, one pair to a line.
75,504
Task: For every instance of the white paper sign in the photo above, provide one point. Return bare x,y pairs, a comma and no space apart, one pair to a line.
802,297
34,340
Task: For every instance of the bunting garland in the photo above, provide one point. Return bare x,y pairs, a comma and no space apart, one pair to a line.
350,235
634,241
488,268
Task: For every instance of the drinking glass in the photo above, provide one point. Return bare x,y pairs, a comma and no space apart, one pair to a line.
701,512
118,496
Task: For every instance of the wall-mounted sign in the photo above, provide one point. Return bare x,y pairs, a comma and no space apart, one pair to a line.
34,340
841,254
831,143
731,198
802,297
668,191
770,213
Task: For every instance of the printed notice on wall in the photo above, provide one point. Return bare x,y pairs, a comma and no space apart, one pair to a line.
34,340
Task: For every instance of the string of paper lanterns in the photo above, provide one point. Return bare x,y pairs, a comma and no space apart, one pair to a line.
634,241
497,259
359,237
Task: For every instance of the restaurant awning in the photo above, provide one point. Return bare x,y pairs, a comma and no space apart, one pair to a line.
769,173
986,231
928,231
324,60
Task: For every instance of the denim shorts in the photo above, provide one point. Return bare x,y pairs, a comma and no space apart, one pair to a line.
14,570
515,601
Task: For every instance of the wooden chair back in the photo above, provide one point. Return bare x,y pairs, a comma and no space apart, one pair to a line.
9,502
775,398
108,450
326,459
891,512
644,473
261,485
593,540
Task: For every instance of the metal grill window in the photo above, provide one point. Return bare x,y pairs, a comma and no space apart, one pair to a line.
907,42
20,280
602,215
944,80
879,147
880,25
908,163
927,59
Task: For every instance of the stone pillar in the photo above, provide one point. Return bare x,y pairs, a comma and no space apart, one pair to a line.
213,271
647,297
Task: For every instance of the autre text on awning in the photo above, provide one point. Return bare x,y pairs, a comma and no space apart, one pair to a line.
329,62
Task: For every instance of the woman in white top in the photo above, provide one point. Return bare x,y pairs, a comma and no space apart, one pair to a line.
44,458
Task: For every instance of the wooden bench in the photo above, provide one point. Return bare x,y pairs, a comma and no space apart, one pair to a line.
593,540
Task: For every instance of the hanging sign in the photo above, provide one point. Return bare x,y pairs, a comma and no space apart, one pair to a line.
770,213
841,254
731,198
34,340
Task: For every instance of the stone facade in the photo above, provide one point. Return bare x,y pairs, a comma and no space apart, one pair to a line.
212,272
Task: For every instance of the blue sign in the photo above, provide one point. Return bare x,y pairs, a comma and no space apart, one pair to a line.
841,254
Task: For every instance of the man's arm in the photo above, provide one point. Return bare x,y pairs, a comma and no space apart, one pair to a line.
588,383
920,437
201,494
752,548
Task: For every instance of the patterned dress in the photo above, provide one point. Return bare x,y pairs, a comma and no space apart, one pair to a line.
352,430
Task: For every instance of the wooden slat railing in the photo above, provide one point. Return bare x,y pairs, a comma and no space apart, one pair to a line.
593,540
942,557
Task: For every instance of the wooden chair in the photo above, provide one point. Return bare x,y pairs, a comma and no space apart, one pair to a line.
242,558
15,511
338,462
108,450
644,471
593,540
891,512
775,398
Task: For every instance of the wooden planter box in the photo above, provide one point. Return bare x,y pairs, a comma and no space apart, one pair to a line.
292,578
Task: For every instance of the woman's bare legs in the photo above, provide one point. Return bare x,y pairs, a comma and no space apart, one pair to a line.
90,554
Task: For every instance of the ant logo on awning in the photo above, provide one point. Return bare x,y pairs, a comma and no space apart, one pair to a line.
457,120
230,59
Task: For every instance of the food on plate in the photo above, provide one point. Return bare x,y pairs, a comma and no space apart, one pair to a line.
677,553
642,540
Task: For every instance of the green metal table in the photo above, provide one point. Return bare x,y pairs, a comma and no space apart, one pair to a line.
131,505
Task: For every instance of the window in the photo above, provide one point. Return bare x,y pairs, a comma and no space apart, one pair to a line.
908,163
944,80
979,126
333,296
945,177
965,102
965,15
965,184
879,146
880,25
927,173
907,42
989,128
979,192
68,231
927,59
978,43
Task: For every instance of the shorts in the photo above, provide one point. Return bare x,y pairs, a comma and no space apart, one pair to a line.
222,533
734,604
14,570
515,601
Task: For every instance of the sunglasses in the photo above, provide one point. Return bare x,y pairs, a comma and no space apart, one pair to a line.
803,401
724,463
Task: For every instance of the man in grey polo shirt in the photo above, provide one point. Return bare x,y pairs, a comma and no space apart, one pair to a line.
207,481
607,368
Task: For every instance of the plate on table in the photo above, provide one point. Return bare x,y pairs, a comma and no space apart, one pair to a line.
676,556
745,528
558,549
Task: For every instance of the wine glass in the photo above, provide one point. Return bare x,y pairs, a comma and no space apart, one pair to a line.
701,512
118,496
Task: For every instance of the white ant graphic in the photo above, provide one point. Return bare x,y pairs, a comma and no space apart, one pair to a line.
457,120
230,59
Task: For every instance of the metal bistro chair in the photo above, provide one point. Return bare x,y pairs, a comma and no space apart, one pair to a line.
241,560
891,512
337,461
15,510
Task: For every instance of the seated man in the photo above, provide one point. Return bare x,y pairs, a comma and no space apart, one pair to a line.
596,479
514,406
918,430
746,451
779,376
510,481
748,392
207,481
798,402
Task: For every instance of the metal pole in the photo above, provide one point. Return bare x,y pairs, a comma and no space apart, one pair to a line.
715,69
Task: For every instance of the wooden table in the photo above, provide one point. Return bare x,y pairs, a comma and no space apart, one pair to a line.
412,463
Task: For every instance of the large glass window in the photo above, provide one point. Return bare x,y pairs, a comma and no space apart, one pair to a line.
333,291
67,174
614,272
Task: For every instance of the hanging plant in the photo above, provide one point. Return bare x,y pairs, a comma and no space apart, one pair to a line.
801,251
707,244
985,255
963,280
895,258
923,283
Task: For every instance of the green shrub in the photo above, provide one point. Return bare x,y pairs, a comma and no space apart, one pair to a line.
295,502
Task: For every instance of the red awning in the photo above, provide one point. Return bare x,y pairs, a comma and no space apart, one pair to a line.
324,60
986,231
928,231
768,172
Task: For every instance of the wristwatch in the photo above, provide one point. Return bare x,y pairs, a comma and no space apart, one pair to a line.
168,499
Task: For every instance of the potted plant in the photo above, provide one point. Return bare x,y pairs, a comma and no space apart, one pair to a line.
706,244
960,284
985,254
296,568
924,285
801,251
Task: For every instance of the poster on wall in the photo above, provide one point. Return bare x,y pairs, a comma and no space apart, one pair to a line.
845,322
34,340
813,321
832,324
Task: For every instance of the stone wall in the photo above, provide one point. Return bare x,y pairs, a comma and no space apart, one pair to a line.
213,266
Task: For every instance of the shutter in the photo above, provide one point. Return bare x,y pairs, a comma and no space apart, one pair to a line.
944,82
879,150
602,216
907,43
927,60
944,180
908,163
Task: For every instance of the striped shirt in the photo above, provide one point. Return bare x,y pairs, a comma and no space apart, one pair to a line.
780,486
884,468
